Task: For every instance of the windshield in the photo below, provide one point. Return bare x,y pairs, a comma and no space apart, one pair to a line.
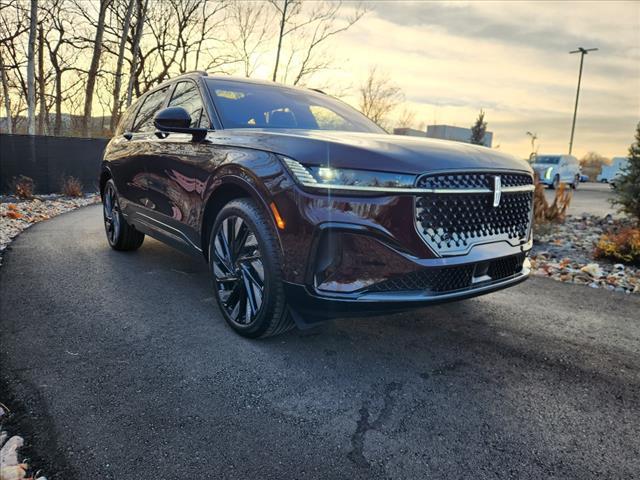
251,105
547,160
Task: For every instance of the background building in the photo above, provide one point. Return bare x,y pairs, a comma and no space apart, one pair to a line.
458,134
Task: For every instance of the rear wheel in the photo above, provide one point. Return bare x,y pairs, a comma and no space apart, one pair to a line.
576,182
246,267
120,235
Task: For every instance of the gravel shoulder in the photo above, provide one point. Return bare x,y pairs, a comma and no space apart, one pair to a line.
132,373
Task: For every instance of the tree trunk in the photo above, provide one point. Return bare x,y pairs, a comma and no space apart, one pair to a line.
142,12
115,112
42,115
5,94
57,126
282,23
93,68
31,69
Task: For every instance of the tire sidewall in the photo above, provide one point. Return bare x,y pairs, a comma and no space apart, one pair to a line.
270,265
111,185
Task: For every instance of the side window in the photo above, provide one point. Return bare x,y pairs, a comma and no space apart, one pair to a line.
124,125
150,106
186,95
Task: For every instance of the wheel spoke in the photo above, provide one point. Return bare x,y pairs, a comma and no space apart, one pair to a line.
248,286
238,270
221,262
240,239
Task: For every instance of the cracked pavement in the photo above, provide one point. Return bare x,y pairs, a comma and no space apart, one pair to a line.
128,371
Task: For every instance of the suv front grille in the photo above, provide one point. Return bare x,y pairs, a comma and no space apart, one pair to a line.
460,212
450,279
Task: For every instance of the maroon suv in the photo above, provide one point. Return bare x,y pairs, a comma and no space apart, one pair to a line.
305,209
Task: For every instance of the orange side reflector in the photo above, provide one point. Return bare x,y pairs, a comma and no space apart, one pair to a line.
276,215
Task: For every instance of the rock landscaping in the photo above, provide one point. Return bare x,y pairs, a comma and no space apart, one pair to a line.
565,252
16,214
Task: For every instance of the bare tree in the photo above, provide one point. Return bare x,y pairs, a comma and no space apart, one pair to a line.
379,96
306,31
43,116
6,94
115,109
93,68
135,47
62,52
251,22
12,26
31,69
407,118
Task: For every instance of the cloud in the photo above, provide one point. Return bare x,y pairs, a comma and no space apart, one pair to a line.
510,58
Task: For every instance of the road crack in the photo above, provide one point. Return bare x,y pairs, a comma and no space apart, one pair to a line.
364,425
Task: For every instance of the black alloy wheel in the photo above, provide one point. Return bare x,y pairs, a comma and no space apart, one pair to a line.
246,267
120,235
238,270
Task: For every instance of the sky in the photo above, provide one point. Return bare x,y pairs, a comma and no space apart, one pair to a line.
510,59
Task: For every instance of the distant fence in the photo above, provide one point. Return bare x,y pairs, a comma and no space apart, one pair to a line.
47,160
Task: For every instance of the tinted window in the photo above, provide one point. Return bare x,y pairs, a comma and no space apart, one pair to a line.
124,124
548,160
186,95
150,106
251,105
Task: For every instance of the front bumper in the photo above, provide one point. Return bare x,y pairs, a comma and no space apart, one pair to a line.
356,255
309,308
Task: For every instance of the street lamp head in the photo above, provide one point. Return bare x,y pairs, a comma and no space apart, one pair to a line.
584,51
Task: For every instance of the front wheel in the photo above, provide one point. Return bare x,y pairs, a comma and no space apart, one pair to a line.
556,182
576,181
120,235
247,274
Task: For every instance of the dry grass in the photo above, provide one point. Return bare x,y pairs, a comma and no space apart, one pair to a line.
543,212
72,187
22,187
623,246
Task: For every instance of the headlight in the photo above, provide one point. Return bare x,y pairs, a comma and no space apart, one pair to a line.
347,179
547,173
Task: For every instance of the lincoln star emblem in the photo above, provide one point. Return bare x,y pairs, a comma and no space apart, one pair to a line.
497,190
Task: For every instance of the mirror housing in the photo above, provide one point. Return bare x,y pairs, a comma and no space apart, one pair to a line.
177,120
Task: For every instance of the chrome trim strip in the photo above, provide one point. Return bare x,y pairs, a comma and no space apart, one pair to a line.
189,242
455,191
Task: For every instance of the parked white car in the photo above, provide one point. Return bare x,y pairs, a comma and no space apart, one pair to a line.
609,173
553,170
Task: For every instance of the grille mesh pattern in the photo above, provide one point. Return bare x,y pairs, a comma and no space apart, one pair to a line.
451,223
448,279
473,180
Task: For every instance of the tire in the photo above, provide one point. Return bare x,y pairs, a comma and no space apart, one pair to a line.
246,267
120,235
556,182
575,183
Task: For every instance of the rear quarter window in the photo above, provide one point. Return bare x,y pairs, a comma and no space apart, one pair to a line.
126,119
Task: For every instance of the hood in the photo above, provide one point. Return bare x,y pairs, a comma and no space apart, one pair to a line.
386,153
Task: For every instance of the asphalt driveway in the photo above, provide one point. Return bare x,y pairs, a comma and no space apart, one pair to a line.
590,197
127,371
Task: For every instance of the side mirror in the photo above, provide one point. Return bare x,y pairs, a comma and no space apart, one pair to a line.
177,120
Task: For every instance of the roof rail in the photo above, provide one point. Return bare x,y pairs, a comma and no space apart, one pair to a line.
318,90
199,72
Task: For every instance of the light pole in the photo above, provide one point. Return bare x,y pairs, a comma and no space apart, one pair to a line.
534,137
582,52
